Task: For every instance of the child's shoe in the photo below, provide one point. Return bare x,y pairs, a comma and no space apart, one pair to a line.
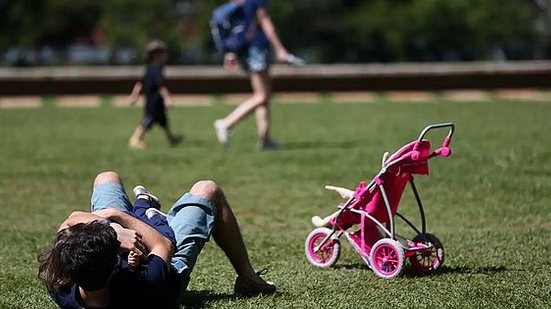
136,144
152,212
153,200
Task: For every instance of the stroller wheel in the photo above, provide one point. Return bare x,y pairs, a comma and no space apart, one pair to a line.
328,254
387,258
429,260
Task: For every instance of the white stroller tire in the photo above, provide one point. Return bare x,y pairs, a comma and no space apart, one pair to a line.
328,254
387,258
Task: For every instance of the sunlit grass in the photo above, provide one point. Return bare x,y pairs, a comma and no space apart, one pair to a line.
489,203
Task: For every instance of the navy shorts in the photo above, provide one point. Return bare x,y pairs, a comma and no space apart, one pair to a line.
151,118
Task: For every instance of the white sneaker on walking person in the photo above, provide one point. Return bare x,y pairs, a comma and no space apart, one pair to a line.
222,134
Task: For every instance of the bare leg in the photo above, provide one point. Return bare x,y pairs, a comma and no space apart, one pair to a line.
262,114
136,140
107,177
115,197
261,91
227,235
226,232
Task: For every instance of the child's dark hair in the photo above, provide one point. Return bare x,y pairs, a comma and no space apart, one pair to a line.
154,48
84,254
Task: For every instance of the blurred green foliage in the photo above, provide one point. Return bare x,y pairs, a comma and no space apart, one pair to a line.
320,30
131,23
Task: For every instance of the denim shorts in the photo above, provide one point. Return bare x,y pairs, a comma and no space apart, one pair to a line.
110,195
255,60
191,218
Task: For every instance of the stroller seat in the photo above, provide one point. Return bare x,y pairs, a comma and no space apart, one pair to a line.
394,179
368,217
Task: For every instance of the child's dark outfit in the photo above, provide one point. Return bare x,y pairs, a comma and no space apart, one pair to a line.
158,222
154,111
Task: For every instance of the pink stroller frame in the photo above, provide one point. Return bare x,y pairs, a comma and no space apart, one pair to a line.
373,207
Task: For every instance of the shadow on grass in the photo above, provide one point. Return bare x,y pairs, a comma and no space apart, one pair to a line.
199,299
410,272
196,143
351,266
321,145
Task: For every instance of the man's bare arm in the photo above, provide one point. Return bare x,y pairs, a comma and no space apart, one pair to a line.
130,240
155,242
77,217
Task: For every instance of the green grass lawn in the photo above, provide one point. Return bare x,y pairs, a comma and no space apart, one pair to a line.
489,203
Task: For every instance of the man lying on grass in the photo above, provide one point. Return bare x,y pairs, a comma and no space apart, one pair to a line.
87,265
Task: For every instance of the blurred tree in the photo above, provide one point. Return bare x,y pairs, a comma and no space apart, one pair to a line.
401,30
131,23
28,23
440,29
543,26
320,30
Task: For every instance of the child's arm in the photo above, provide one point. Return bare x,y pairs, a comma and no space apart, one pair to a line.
267,26
134,259
135,94
167,97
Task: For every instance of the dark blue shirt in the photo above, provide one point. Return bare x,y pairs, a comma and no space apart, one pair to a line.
152,284
152,81
250,8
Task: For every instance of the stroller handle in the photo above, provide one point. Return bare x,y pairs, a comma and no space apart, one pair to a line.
444,150
438,126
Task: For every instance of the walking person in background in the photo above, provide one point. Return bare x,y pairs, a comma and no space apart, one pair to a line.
253,51
157,96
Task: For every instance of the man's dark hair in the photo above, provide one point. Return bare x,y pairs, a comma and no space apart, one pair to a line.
91,254
87,254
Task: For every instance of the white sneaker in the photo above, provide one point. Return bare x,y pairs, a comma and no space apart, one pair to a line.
222,134
151,212
154,201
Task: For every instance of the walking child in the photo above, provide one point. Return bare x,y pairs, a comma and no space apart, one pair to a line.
157,96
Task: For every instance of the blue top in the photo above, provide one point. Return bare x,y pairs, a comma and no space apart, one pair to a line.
152,81
153,284
250,7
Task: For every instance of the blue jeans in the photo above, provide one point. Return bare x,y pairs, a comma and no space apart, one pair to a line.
191,218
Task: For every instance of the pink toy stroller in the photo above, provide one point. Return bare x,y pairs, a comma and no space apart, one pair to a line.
373,207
